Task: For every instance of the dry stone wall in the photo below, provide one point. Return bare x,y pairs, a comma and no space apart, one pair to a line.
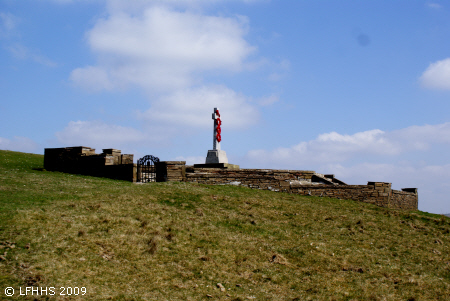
172,171
83,160
303,182
272,179
113,164
406,199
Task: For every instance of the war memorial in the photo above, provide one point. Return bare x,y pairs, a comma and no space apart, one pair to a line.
216,170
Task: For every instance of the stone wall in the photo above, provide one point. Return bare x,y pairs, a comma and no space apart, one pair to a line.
377,193
303,182
406,199
277,180
171,171
83,160
112,164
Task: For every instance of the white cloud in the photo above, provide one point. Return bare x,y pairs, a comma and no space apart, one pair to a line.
162,49
437,75
373,141
281,70
7,23
18,51
434,5
92,79
191,160
23,53
421,137
336,148
20,144
327,148
137,6
267,101
182,113
97,134
62,2
192,108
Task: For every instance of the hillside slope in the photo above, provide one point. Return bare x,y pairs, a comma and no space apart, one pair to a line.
179,241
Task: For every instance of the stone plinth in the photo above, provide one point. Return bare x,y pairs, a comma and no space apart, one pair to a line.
216,156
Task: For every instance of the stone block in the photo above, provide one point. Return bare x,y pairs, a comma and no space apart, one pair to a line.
284,184
127,159
112,151
109,160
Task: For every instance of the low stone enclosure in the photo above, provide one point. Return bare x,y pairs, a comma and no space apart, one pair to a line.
83,160
112,164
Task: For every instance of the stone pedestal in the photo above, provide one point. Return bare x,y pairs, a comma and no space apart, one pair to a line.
216,156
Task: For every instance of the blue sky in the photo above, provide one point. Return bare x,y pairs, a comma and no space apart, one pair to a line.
360,89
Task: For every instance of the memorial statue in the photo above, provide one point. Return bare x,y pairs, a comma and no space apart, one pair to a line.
216,155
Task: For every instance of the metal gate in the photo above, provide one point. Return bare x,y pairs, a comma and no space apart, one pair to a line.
146,169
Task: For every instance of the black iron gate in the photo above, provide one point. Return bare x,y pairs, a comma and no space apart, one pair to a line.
146,169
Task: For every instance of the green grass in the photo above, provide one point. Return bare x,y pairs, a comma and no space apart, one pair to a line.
177,241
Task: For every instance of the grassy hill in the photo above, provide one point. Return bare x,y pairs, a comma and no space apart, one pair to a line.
180,241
